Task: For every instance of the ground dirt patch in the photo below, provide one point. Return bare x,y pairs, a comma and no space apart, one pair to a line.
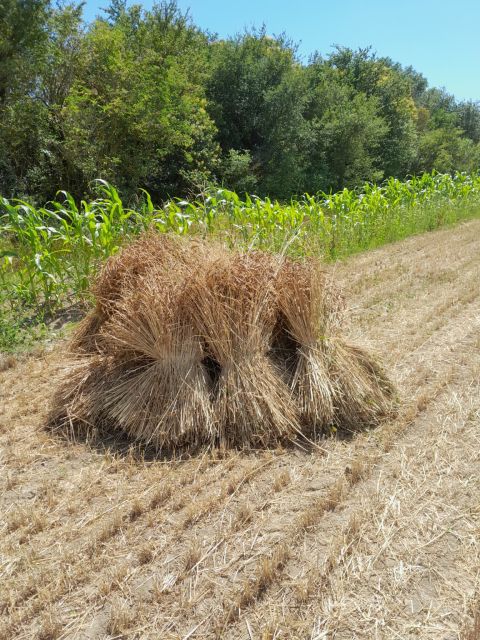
373,537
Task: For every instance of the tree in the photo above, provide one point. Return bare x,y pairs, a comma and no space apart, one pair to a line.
380,78
447,150
23,33
23,37
137,109
256,96
448,133
468,118
237,172
347,130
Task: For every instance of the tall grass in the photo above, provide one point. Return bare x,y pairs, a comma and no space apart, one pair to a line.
50,254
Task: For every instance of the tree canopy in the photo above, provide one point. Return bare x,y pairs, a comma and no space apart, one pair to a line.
146,99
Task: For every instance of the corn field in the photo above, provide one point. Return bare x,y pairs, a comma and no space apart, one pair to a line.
49,255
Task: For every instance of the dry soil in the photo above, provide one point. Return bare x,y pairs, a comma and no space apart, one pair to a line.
376,537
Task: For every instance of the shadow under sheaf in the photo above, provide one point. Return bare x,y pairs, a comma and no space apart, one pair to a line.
193,346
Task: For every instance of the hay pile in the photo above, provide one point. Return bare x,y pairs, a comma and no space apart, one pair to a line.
191,344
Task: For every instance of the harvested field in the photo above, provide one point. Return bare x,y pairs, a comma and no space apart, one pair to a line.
373,537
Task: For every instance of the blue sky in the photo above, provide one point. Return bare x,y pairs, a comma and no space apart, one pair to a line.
438,38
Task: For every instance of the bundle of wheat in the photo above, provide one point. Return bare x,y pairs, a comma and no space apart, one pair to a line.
193,344
307,318
233,308
150,255
162,392
364,394
74,408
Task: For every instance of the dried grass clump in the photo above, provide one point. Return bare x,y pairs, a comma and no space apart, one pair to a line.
364,393
309,311
232,306
191,344
149,256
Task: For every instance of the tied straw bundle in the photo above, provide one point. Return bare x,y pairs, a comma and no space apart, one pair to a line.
191,344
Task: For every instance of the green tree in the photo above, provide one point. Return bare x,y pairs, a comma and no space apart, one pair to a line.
23,38
447,150
468,118
57,164
238,173
380,78
448,133
346,131
23,33
137,110
256,98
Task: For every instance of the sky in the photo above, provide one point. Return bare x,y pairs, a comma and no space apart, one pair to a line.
440,39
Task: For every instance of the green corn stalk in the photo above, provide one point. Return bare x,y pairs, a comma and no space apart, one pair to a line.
53,252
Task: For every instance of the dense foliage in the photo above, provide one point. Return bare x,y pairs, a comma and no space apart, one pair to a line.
145,99
51,253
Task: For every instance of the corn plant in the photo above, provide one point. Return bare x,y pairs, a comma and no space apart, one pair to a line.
50,254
